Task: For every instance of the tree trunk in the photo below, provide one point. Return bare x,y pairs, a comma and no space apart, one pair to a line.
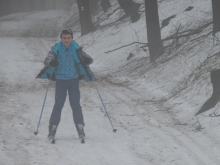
216,16
53,4
37,5
85,17
105,4
214,99
43,4
14,6
23,6
153,30
32,5
130,8
7,9
93,6
2,8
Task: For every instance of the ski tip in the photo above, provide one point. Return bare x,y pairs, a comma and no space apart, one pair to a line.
114,130
35,133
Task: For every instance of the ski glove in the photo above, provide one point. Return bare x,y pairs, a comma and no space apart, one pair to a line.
54,63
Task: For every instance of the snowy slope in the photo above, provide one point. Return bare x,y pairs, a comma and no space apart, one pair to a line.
151,105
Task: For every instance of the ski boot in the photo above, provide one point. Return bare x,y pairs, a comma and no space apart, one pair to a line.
81,133
52,132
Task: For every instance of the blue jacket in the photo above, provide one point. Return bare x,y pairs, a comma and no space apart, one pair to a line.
82,69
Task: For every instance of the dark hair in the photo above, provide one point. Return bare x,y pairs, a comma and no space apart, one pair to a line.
66,31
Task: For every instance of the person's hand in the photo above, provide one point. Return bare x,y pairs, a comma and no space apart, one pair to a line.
54,63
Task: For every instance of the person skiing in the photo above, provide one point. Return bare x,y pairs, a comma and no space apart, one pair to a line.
66,63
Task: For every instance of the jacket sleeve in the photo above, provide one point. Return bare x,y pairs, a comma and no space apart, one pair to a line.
50,57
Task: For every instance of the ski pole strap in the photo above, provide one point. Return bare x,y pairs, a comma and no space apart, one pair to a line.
114,130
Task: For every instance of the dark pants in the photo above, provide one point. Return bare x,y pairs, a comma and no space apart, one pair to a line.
74,97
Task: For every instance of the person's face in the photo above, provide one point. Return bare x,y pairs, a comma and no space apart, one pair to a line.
66,39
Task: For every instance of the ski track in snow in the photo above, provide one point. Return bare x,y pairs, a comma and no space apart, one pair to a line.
146,134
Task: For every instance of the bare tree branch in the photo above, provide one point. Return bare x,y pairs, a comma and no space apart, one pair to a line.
175,36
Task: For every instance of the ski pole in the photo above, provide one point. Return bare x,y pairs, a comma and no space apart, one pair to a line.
44,103
114,130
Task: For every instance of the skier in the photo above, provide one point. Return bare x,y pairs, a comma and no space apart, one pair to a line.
66,63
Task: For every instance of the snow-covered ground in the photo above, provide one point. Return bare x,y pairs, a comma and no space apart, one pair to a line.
152,105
